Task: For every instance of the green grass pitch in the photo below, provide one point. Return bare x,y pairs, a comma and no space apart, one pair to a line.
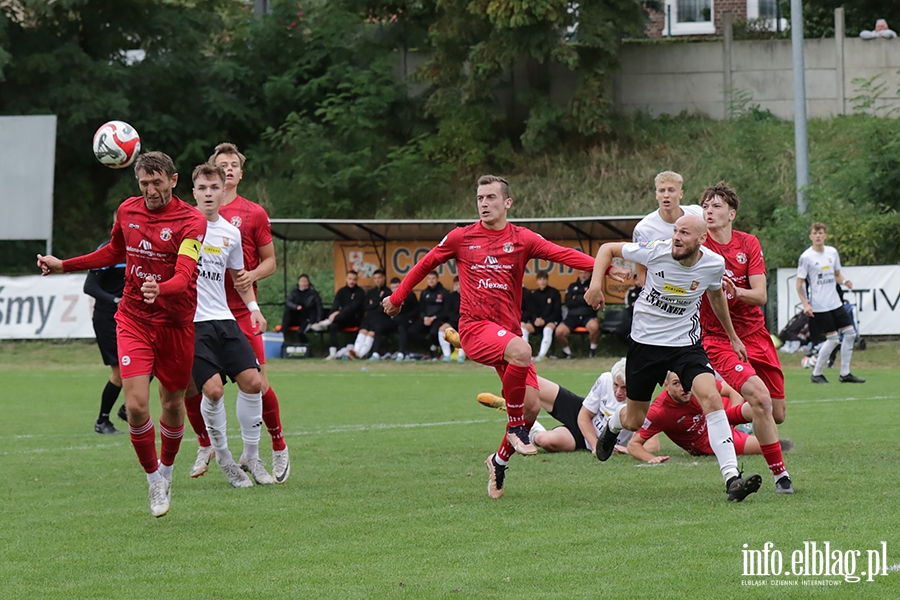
387,495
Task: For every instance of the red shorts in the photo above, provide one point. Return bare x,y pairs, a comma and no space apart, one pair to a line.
763,361
740,440
165,352
256,341
485,343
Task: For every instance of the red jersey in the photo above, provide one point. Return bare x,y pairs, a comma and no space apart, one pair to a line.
685,424
150,242
743,258
490,265
256,231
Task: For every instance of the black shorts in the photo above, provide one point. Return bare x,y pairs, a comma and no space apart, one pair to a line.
647,366
105,330
220,347
571,321
565,410
375,322
834,320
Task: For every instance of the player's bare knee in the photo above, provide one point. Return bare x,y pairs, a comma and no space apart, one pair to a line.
213,392
778,410
757,395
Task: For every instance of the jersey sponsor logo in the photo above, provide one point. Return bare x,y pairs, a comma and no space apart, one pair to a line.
471,247
741,258
647,244
660,274
165,234
145,245
508,247
487,284
490,260
138,271
126,360
501,333
672,289
236,221
134,225
694,285
211,250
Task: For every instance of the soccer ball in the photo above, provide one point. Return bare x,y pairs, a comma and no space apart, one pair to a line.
116,144
808,362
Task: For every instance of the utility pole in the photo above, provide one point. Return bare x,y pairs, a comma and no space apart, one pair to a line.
801,145
261,7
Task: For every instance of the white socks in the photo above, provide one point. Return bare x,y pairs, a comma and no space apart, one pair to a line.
363,344
214,417
249,414
615,422
831,342
524,334
445,345
847,351
719,433
546,341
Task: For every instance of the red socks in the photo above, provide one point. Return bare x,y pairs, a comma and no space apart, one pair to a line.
143,438
195,416
170,443
775,460
272,418
514,393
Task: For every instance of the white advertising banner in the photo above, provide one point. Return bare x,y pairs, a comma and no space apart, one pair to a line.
875,298
36,307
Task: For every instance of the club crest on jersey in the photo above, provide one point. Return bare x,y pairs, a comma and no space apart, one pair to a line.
236,221
165,234
225,241
508,247
741,258
694,285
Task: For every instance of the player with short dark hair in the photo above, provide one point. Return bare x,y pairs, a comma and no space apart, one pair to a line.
491,256
375,323
447,333
105,285
259,262
346,311
666,337
580,314
158,235
759,378
546,302
818,275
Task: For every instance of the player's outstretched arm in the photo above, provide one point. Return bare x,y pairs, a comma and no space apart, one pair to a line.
638,451
755,295
440,254
594,295
719,304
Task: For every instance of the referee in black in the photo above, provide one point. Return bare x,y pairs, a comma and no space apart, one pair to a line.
105,286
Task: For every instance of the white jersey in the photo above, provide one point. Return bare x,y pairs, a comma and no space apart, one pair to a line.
819,270
667,313
652,228
601,401
221,250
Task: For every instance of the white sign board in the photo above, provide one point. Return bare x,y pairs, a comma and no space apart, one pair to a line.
36,307
27,159
875,297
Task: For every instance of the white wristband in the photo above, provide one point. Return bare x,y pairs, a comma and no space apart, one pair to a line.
251,306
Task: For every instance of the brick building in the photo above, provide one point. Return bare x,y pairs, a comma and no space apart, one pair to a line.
704,17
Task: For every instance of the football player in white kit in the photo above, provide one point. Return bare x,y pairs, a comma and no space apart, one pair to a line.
666,337
818,275
220,346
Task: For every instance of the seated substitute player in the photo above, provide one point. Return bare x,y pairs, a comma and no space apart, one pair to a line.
666,337
159,236
409,312
375,323
447,335
527,314
431,312
220,347
105,286
678,415
818,270
581,418
302,307
580,315
346,311
546,304
491,255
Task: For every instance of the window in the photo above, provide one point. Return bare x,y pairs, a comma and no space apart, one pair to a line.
689,17
767,12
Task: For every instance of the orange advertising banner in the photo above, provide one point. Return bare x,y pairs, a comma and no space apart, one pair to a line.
399,258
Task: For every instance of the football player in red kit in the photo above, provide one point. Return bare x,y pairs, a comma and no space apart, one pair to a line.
259,262
491,256
759,379
158,235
